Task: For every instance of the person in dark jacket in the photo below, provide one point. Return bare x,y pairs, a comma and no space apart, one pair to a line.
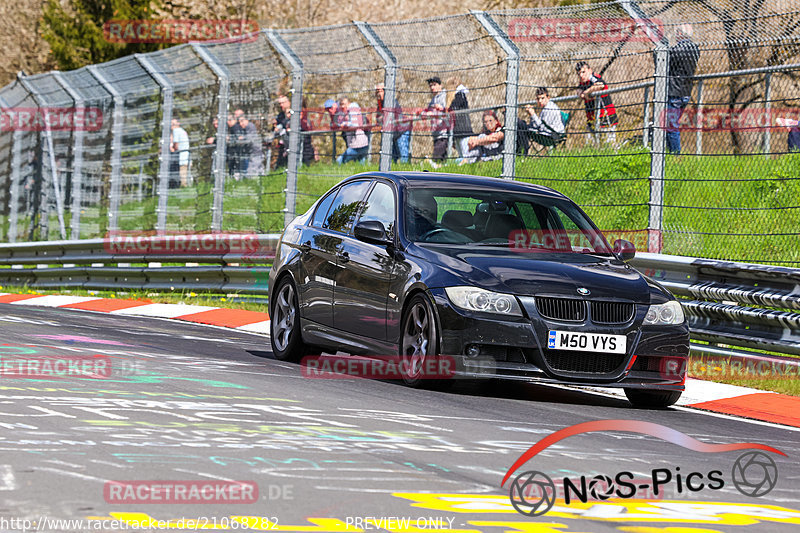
462,128
683,56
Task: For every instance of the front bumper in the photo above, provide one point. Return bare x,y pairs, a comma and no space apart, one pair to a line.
515,348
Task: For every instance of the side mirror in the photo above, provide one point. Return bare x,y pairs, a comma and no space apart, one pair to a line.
624,250
372,231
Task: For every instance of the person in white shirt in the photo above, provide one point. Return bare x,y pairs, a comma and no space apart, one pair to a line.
352,124
547,126
180,144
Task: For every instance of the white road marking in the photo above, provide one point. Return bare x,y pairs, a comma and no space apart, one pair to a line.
7,480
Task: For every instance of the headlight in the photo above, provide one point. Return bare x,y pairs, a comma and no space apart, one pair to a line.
475,299
666,314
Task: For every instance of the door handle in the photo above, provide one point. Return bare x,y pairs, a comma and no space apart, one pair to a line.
344,257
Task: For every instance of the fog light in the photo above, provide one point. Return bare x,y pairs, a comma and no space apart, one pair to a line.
473,350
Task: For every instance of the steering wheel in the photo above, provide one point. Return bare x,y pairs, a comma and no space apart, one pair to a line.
431,233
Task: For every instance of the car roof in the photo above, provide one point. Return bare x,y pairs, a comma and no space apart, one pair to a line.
412,178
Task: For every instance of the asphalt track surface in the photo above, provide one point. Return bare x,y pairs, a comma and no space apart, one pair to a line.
193,403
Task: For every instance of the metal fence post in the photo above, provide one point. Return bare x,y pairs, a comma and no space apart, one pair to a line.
77,160
48,138
768,109
13,201
115,184
390,75
658,153
294,122
221,152
166,130
698,147
646,118
512,86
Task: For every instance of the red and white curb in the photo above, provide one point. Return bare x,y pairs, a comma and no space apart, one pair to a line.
250,321
699,394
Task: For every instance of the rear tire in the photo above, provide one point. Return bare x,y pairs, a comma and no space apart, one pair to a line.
652,399
285,336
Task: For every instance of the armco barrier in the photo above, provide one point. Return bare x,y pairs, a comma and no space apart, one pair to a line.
735,305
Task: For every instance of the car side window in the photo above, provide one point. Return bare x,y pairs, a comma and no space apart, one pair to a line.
346,206
322,210
380,206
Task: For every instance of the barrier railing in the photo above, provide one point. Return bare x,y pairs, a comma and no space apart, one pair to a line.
731,306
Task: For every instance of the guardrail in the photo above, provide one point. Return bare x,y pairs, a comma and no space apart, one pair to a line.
736,305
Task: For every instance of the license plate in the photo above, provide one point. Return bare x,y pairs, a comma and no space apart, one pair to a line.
586,342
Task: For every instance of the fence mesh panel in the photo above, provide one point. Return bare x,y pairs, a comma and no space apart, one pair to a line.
686,160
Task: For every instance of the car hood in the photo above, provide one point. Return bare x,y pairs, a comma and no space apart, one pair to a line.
542,274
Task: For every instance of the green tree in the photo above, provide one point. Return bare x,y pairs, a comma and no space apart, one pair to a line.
74,29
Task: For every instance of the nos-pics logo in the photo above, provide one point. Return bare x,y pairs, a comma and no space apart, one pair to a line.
534,493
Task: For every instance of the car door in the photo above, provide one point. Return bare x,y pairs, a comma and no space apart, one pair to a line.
321,244
366,271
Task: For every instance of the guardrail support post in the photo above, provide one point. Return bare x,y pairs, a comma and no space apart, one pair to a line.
512,86
77,160
658,154
294,122
166,130
390,75
44,215
220,154
115,184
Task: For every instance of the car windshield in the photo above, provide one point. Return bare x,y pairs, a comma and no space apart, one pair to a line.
522,222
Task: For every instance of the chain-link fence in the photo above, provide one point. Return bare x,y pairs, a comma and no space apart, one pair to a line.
670,122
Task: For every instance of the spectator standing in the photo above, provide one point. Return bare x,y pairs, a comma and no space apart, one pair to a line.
793,141
683,56
251,148
232,151
390,117
179,145
437,111
490,141
281,126
310,154
336,116
601,115
547,126
212,143
351,122
457,104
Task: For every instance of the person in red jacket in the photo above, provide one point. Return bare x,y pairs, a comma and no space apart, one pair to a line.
601,115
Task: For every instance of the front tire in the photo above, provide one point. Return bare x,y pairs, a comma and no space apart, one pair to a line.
286,338
652,399
419,339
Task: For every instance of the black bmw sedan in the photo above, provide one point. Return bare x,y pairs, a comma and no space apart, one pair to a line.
508,279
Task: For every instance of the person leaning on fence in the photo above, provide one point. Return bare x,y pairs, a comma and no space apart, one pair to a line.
437,112
793,140
310,154
547,127
683,56
390,117
252,151
457,104
601,115
179,154
489,143
232,148
352,124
